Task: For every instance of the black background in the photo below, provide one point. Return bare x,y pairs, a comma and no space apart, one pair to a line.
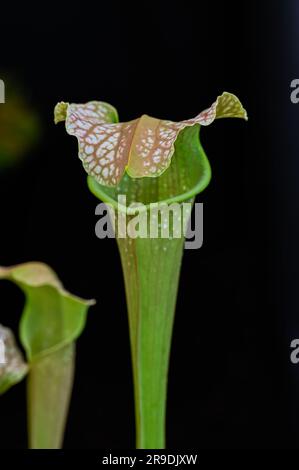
231,384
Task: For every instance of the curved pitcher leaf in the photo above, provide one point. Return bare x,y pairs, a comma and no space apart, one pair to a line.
137,168
52,320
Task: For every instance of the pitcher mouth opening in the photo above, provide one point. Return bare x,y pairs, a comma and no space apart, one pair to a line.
188,175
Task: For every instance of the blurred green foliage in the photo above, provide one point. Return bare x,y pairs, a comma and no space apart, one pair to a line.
20,126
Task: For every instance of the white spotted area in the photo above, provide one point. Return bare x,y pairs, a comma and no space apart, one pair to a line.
103,147
92,111
156,151
145,146
102,159
155,148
